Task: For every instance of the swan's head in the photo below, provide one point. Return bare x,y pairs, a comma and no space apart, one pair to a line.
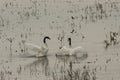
45,38
69,40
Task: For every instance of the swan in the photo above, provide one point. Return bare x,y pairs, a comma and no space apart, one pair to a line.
40,51
72,51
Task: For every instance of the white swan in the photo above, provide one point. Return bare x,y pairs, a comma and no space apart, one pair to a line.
71,51
37,50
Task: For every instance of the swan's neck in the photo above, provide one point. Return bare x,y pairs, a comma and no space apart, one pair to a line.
44,41
70,46
45,44
69,40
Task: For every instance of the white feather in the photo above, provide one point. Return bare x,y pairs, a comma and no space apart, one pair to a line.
72,51
36,50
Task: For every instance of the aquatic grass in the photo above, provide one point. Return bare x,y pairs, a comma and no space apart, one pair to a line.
84,73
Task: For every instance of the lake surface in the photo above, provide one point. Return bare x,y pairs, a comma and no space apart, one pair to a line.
53,67
88,24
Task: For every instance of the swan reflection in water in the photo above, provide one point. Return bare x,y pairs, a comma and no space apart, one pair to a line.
63,62
45,65
40,65
72,58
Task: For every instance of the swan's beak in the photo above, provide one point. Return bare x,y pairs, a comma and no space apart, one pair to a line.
49,38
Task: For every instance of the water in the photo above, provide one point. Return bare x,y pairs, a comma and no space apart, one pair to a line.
32,67
54,67
88,24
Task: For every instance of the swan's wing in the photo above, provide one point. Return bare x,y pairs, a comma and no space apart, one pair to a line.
79,50
33,47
